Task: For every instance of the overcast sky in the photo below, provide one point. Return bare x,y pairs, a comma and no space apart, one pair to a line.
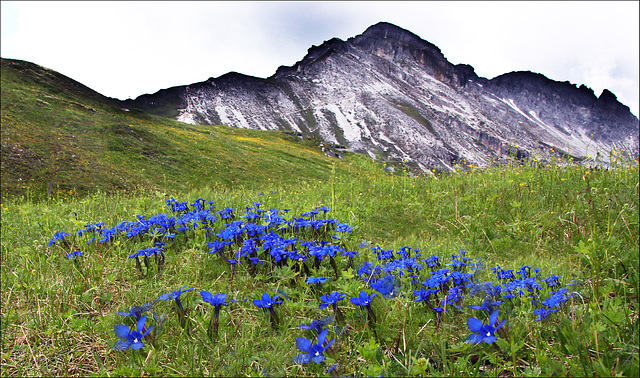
125,49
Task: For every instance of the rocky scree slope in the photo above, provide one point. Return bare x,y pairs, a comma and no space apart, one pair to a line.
389,93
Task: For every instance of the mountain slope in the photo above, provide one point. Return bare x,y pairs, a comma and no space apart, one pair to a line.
387,92
55,131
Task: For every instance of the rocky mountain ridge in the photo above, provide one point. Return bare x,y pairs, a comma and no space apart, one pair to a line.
388,93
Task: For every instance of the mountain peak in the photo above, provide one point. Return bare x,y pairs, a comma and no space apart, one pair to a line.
396,44
395,35
385,29
389,93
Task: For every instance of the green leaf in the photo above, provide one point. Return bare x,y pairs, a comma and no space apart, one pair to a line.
348,274
502,344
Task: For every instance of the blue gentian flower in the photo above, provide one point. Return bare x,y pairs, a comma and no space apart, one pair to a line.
483,332
132,338
367,270
309,214
312,352
502,274
58,236
455,263
350,254
543,313
316,324
266,302
331,299
384,286
424,295
433,261
323,208
217,301
364,300
453,297
557,298
198,204
73,255
344,227
176,297
318,281
136,311
487,304
552,280
216,246
170,236
382,254
148,252
525,271
255,260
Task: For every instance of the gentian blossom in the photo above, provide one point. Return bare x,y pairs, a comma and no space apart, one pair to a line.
217,301
344,227
384,286
132,338
266,303
136,311
364,300
176,297
483,332
488,304
316,324
58,236
424,295
310,351
73,255
318,281
331,299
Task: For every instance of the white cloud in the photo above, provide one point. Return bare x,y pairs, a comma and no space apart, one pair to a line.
124,49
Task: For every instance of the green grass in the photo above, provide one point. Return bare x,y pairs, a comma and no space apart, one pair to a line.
105,164
563,220
61,139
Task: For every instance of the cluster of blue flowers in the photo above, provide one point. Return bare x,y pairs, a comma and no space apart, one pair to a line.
58,236
266,238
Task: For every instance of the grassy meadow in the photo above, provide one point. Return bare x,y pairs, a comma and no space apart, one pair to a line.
60,139
122,232
59,314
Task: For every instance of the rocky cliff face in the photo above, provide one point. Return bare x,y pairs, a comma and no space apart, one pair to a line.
389,93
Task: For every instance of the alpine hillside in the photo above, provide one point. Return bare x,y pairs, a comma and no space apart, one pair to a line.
60,138
391,94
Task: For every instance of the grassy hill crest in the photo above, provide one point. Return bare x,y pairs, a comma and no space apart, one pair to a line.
58,132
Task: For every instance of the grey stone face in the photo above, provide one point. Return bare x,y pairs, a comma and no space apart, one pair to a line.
389,93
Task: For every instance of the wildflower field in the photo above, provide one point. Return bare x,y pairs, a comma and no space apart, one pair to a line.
520,269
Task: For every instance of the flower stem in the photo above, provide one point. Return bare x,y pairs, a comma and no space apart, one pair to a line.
273,317
338,314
